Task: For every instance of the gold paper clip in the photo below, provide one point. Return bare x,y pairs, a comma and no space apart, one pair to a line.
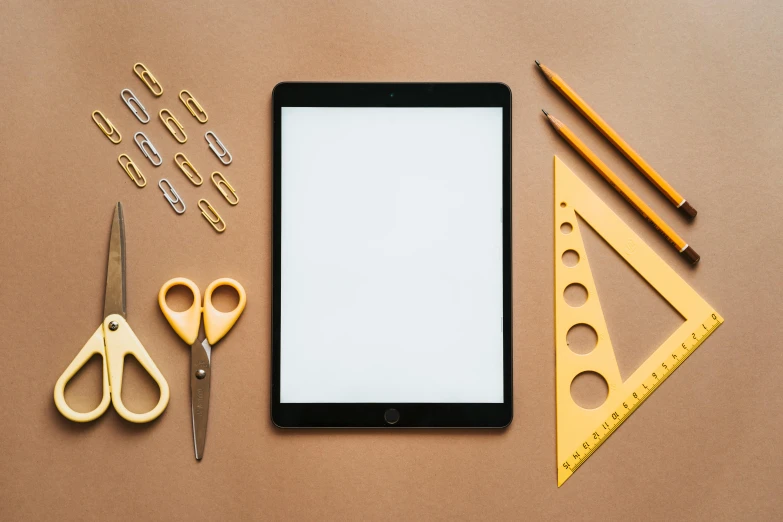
152,150
149,80
108,132
167,120
224,182
223,150
188,169
214,221
132,98
172,201
193,106
128,166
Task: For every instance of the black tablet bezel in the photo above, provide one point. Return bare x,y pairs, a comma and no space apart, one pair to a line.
410,415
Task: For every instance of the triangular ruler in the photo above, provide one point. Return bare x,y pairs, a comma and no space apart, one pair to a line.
580,431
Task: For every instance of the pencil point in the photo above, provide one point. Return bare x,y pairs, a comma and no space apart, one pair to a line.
537,63
545,113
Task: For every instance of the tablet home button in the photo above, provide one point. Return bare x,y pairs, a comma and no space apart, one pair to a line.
391,416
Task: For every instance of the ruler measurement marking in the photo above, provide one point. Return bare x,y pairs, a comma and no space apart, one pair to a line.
579,459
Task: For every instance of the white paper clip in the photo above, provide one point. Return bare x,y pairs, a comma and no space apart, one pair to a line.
172,201
223,150
132,98
152,150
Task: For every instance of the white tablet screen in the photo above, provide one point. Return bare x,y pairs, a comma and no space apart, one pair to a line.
391,255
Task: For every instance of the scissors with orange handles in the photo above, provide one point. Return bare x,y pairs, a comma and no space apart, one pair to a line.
113,340
188,326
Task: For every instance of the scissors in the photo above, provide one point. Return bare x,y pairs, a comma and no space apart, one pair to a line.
187,324
113,340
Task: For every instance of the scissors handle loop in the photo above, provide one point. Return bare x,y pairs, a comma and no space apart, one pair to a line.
121,341
217,323
93,346
185,323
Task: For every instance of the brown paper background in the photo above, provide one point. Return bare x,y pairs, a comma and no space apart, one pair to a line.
694,86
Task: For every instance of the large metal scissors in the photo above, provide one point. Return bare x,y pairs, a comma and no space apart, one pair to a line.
113,340
187,324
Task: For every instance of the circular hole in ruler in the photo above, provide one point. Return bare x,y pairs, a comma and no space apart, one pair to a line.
581,338
562,204
566,228
570,258
575,295
589,390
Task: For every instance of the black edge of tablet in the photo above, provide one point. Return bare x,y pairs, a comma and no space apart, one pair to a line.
373,415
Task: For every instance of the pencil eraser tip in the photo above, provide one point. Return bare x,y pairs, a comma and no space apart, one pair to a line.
688,210
691,255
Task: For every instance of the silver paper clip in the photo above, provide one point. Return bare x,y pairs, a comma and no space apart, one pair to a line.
152,150
172,201
132,98
223,152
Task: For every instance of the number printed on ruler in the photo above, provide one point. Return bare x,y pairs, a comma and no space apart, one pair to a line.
630,403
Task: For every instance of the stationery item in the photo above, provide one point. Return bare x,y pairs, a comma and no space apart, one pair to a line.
580,431
133,103
145,144
187,324
228,192
391,301
188,169
107,127
113,341
642,166
193,106
132,170
222,153
211,215
149,80
625,191
167,118
171,196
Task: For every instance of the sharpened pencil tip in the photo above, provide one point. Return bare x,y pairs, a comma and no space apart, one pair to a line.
537,63
545,113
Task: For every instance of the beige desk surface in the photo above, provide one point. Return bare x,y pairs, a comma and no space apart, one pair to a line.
694,86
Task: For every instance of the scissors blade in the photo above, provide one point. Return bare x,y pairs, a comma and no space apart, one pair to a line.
200,377
114,300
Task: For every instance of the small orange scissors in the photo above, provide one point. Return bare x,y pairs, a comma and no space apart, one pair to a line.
187,324
113,340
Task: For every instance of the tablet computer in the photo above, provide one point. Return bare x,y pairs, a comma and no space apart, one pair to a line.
391,302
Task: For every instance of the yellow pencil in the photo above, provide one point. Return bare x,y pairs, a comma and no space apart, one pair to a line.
667,190
636,202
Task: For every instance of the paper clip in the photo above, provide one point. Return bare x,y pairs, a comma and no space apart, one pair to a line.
224,182
147,77
224,151
167,120
187,168
111,130
212,221
173,202
193,106
152,149
133,98
137,177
